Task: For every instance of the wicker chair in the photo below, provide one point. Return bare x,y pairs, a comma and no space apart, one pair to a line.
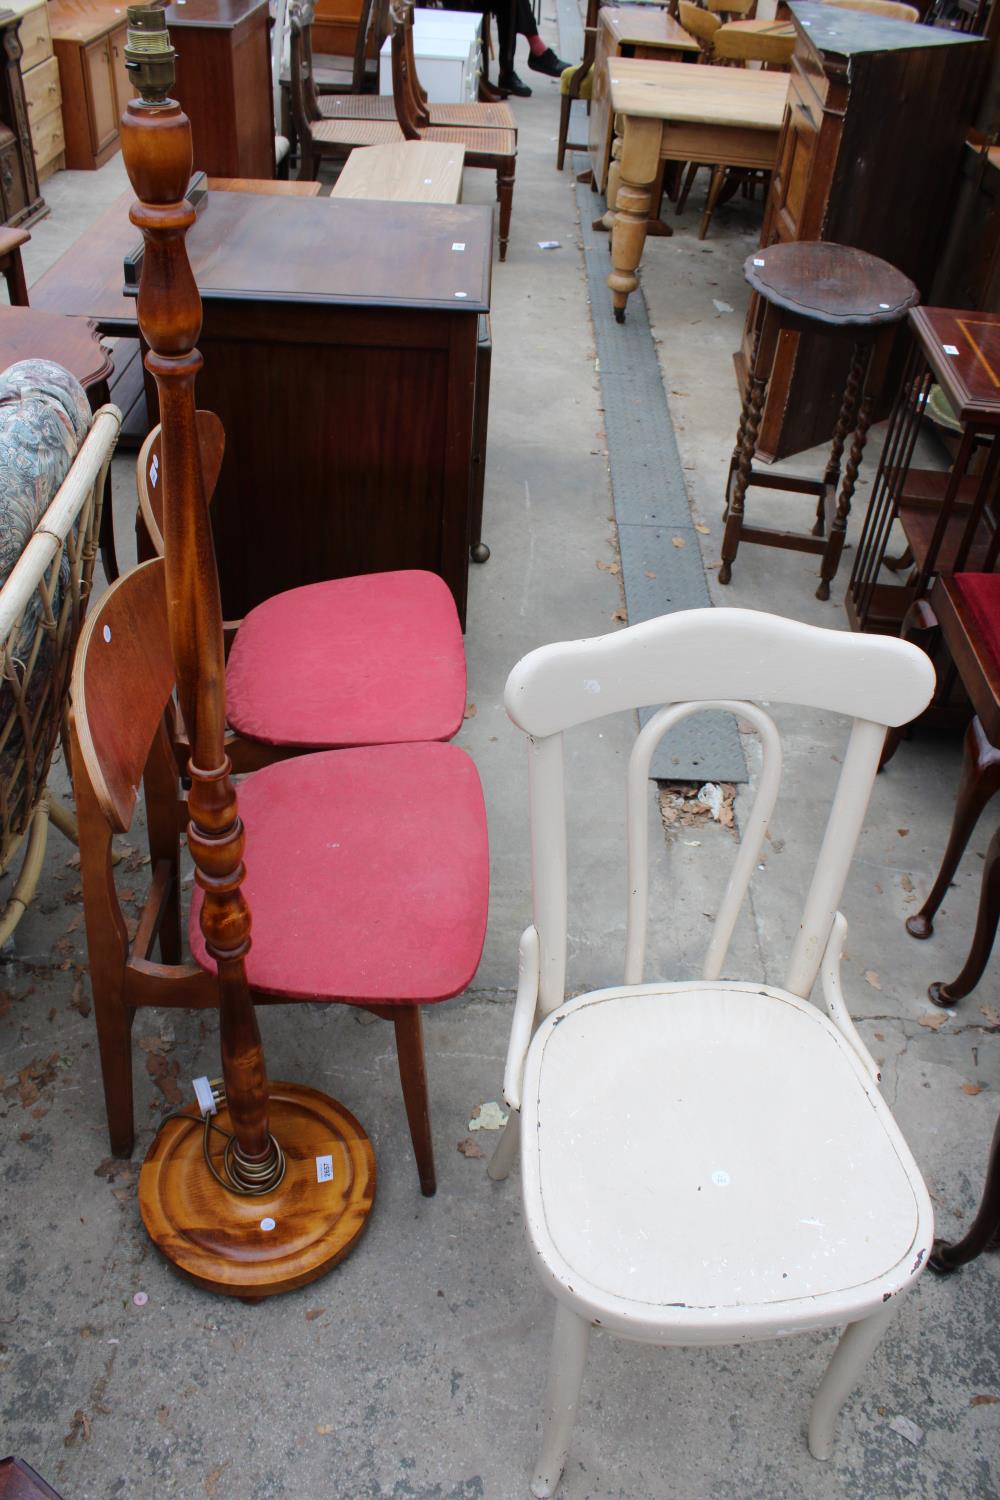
50,514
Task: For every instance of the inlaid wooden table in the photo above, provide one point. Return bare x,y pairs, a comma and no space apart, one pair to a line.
628,31
670,112
341,347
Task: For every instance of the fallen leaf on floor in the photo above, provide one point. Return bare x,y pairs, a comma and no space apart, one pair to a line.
79,1427
164,1074
934,1020
972,1089
212,1480
991,1013
156,1044
163,1412
470,711
468,1147
324,1428
984,1400
700,526
79,1000
314,1313
488,1117
873,979
34,1077
609,567
678,541
878,889
621,614
879,1036
112,1167
908,1430
902,832
906,882
649,574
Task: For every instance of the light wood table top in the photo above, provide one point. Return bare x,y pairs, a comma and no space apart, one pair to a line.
747,98
644,26
407,172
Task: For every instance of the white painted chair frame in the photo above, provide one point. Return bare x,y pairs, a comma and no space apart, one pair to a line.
693,661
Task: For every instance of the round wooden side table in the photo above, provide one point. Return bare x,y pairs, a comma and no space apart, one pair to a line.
851,296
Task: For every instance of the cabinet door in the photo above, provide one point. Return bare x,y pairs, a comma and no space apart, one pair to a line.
124,87
790,197
103,104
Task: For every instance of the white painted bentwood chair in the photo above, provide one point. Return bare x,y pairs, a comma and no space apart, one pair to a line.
707,1162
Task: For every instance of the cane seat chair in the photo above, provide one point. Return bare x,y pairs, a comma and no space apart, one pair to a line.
366,870
370,660
707,1161
471,116
494,150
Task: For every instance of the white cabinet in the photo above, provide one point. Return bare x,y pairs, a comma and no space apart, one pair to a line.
447,49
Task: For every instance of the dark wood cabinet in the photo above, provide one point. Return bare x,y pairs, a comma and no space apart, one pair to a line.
224,84
869,156
343,353
20,200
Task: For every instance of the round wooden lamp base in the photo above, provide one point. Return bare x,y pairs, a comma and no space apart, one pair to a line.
254,1247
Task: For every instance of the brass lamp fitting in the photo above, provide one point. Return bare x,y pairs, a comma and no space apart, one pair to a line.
149,56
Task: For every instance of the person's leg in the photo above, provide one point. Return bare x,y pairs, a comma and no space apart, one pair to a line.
541,57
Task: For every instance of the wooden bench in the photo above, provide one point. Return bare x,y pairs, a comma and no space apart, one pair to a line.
404,172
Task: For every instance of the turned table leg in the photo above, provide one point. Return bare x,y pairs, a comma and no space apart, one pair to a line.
640,159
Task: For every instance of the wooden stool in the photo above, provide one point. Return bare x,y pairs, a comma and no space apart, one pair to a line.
984,1231
852,295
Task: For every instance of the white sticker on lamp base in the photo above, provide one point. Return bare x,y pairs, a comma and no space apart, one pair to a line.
267,1225
324,1169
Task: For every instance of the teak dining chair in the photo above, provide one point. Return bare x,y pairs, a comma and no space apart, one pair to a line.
707,1161
367,870
371,660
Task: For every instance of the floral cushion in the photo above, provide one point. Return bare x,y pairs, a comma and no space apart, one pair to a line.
44,417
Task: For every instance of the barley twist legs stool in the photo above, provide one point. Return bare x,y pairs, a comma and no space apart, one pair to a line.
854,297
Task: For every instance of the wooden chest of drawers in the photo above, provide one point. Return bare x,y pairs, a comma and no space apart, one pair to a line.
89,42
42,94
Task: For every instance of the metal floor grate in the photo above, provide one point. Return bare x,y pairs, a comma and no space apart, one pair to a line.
650,498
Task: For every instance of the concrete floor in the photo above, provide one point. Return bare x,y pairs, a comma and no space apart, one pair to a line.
415,1370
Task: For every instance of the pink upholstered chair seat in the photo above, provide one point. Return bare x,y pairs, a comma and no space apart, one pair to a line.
981,594
386,851
371,660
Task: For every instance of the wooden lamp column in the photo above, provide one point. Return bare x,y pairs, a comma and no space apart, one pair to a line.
256,1217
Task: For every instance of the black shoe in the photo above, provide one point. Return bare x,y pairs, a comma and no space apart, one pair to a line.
546,62
511,84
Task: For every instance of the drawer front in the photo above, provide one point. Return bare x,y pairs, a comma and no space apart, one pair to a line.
47,135
41,90
36,39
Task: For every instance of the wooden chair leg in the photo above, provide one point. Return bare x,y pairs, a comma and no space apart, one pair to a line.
985,1228
17,287
714,193
980,781
413,1077
565,105
983,937
505,193
688,183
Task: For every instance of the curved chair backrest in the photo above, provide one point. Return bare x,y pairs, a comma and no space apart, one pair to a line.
122,680
701,24
697,659
280,49
305,106
405,87
149,469
773,49
893,10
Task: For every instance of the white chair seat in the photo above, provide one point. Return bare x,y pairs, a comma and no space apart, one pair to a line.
711,1161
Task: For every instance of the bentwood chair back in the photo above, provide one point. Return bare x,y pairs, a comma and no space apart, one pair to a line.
709,1160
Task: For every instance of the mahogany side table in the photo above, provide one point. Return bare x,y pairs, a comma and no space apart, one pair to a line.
848,295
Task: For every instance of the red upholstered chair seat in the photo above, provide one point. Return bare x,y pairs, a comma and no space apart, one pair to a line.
386,852
372,660
980,592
